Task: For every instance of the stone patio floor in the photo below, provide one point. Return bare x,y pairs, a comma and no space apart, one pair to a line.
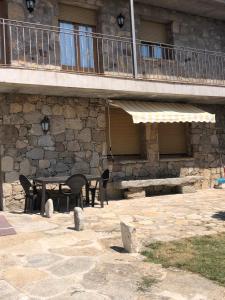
47,259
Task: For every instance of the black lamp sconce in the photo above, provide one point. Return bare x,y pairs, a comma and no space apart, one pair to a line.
45,125
120,20
30,5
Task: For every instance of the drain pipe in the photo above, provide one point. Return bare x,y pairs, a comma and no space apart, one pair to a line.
1,187
133,37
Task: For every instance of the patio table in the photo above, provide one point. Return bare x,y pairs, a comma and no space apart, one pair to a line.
61,180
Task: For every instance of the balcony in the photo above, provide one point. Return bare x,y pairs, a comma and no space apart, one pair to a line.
64,50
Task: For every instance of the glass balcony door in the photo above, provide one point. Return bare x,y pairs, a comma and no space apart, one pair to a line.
77,47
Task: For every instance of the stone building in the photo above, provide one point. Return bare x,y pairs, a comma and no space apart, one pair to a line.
75,62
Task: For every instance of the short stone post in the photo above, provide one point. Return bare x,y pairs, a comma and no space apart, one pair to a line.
78,219
49,208
128,233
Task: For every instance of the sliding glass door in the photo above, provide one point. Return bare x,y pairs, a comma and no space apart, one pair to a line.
77,47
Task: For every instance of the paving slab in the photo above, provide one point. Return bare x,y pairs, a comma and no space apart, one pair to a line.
48,259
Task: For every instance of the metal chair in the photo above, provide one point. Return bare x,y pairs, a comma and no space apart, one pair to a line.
76,183
31,193
100,185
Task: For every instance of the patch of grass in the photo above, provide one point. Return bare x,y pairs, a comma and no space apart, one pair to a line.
204,255
146,283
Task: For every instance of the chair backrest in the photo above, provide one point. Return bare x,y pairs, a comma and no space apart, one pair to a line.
26,184
105,178
76,183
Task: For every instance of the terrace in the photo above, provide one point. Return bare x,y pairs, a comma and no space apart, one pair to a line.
32,46
48,259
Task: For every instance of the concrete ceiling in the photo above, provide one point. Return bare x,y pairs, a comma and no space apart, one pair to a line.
206,8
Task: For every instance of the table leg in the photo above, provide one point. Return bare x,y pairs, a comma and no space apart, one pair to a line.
43,199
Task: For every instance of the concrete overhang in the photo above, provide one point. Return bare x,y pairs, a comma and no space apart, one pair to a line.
206,8
78,85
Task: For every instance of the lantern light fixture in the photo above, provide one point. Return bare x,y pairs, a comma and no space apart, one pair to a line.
120,20
45,124
30,5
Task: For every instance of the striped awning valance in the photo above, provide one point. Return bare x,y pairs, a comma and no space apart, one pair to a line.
153,112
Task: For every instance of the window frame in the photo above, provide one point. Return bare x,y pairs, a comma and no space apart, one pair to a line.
125,157
77,48
167,52
189,150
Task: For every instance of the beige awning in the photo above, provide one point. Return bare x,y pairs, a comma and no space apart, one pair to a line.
153,112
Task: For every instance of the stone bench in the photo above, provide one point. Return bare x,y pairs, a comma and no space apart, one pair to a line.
136,188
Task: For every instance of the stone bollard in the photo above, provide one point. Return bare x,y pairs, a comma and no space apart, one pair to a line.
78,219
128,234
49,208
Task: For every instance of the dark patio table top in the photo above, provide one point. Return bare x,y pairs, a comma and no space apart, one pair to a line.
62,179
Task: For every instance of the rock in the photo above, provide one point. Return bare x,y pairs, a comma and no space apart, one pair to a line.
61,167
21,144
25,167
16,11
57,110
36,153
7,164
99,136
75,124
46,110
101,121
85,135
57,125
36,129
33,117
45,141
134,193
44,164
7,189
73,146
51,155
95,160
186,189
11,176
142,183
28,107
78,219
49,208
128,234
81,167
68,112
15,108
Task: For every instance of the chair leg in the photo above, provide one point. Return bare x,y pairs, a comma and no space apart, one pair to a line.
58,206
93,192
26,205
68,203
106,198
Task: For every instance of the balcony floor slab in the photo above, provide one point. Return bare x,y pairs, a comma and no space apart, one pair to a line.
79,85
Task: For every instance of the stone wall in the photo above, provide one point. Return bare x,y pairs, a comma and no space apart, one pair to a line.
75,143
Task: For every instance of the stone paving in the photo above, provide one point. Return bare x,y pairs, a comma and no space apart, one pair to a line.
47,259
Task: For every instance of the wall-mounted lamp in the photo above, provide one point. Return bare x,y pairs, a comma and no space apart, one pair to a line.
120,20
45,125
30,5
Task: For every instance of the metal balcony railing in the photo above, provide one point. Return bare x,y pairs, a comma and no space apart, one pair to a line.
36,46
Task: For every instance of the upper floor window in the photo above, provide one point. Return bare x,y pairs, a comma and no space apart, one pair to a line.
76,46
77,41
154,39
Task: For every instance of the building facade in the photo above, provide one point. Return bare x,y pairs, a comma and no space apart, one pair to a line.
73,62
